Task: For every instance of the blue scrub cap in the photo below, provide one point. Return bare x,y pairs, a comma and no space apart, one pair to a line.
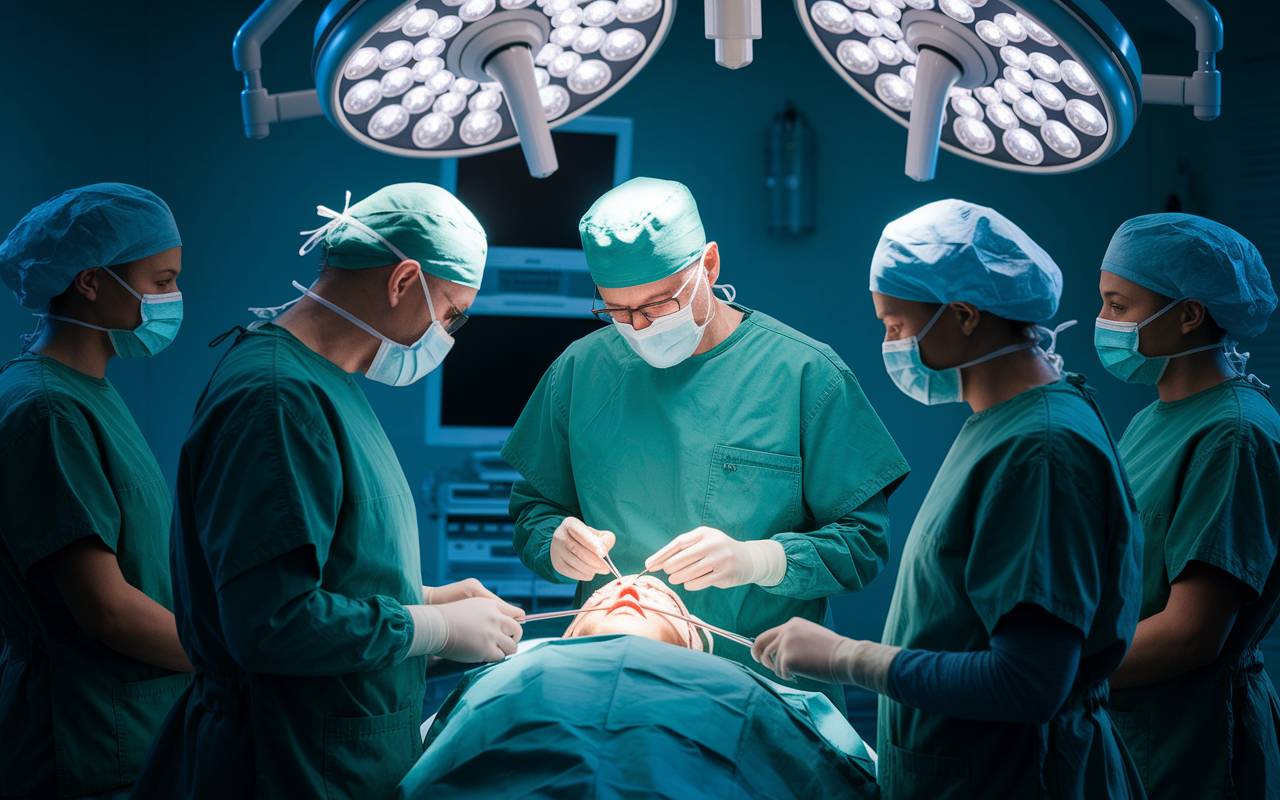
640,232
952,251
1185,257
100,225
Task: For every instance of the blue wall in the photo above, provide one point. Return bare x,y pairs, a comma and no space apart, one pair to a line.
147,94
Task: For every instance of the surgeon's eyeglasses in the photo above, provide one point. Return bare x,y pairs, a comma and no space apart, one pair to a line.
650,311
456,321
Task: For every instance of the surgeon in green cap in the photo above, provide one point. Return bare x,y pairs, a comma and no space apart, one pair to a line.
698,439
297,577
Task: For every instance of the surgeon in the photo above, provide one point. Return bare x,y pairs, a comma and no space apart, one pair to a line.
295,543
1192,699
698,438
91,660
1019,586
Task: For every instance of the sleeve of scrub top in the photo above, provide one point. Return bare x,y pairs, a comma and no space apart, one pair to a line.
1024,676
63,494
1041,533
539,450
1233,490
850,466
285,624
272,484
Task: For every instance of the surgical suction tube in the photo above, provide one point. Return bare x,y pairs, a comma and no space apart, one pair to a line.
513,68
936,73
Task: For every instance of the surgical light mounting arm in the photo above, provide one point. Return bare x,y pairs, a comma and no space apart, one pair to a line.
260,108
733,24
1203,89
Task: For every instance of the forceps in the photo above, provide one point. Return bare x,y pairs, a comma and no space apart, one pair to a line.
730,635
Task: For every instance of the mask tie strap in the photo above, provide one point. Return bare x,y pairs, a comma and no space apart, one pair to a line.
1052,335
337,219
1159,313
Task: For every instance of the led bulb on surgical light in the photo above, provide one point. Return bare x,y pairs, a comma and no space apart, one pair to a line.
563,64
599,13
447,27
398,20
362,64
417,100
419,22
1044,67
451,104
388,121
396,54
1023,145
480,127
485,100
1076,77
1061,139
555,100
1085,118
362,97
589,41
633,11
1048,95
589,77
974,134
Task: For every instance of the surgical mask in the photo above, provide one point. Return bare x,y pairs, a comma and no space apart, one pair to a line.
935,386
1117,346
671,339
161,319
394,364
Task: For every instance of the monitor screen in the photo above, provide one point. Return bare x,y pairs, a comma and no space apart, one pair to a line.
496,363
518,210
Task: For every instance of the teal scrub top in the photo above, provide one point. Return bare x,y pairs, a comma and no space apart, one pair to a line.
766,435
76,717
295,549
1030,506
624,716
1206,472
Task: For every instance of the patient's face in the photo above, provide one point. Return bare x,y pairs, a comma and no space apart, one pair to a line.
615,608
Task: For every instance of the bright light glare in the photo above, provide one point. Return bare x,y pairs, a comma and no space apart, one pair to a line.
1045,67
486,100
1002,116
1029,111
420,22
395,54
476,10
440,81
894,91
831,16
589,40
1011,27
451,104
1077,77
1015,57
1048,95
429,47
397,82
480,127
555,100
974,135
966,106
1085,118
622,44
547,54
1060,139
395,23
446,27
362,63
957,10
432,130
990,33
633,11
866,24
564,36
589,77
362,97
417,100
388,121
885,50
600,13
857,57
1036,32
1024,146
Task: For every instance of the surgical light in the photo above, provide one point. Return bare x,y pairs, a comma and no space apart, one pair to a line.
1039,86
455,78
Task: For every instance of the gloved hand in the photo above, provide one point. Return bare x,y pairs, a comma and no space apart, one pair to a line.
800,647
576,550
707,557
472,630
452,592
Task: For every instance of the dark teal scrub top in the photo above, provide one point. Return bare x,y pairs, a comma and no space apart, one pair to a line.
1206,472
295,550
76,717
1030,506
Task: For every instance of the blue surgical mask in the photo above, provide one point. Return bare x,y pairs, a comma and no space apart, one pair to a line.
935,386
397,364
671,339
1117,346
161,319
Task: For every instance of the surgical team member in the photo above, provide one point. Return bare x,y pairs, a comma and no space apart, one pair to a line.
698,438
295,544
1019,586
1192,700
91,660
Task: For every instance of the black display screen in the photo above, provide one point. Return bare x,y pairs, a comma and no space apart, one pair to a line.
496,363
519,210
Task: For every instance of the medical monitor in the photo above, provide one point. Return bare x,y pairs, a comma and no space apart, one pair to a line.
536,295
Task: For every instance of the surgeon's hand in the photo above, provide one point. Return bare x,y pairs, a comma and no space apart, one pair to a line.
479,629
802,648
707,557
577,550
453,592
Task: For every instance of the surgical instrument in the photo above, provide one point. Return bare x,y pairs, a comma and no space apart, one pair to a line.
730,635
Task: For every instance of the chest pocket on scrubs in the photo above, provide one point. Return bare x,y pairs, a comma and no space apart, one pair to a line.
752,494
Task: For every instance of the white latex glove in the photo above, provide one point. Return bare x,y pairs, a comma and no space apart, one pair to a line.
453,592
707,557
799,647
577,550
472,630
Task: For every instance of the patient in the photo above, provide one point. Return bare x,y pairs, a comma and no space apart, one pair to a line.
631,703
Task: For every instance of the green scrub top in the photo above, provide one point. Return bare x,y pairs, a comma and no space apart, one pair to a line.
1030,506
1206,472
766,435
622,716
295,549
76,717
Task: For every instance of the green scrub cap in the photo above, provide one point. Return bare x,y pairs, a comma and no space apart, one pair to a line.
404,221
1185,257
640,232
